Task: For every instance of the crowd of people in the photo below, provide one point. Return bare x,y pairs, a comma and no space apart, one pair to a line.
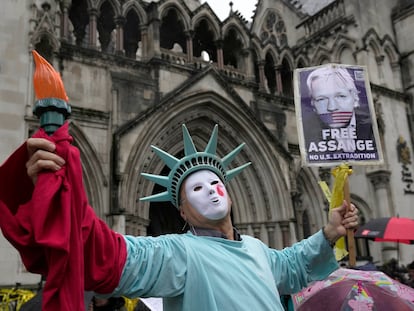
403,274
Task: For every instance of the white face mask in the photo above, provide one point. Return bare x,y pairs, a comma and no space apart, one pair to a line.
207,194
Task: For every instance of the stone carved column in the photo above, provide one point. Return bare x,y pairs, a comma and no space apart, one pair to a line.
262,77
271,234
119,224
380,179
144,41
65,20
246,65
380,64
114,118
119,40
264,236
284,226
220,57
396,71
256,231
279,85
153,34
298,208
93,17
250,230
189,42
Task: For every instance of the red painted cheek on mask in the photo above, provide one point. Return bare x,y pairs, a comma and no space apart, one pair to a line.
220,190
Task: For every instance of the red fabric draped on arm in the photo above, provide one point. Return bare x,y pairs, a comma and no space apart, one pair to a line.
55,230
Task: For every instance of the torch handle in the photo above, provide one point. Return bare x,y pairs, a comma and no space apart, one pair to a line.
350,232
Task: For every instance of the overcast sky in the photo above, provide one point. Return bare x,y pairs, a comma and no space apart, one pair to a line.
246,7
222,7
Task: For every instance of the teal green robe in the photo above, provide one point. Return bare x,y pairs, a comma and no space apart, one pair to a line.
214,274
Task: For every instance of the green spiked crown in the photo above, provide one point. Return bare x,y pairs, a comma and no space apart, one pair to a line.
191,162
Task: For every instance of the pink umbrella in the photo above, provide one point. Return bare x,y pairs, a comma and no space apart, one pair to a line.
348,289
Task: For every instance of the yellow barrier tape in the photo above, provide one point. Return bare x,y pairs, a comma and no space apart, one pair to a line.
14,298
326,191
336,199
130,303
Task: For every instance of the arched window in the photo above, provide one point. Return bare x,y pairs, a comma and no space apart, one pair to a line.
287,78
132,34
106,27
273,30
78,15
172,32
204,41
232,49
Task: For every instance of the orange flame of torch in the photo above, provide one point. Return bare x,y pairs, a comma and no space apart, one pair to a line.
47,81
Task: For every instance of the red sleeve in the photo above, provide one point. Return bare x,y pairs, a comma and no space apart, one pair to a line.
55,230
15,186
105,256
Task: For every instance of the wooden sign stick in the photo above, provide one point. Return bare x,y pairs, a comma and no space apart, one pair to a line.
350,232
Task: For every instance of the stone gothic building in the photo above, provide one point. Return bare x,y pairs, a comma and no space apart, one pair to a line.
135,70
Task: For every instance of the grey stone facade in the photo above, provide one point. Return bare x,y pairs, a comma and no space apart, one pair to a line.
136,70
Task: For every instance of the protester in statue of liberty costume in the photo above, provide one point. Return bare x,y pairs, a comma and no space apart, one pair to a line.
212,266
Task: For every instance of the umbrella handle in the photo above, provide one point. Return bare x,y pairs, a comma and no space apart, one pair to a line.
350,232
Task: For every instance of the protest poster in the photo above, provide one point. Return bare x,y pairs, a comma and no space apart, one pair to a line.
335,116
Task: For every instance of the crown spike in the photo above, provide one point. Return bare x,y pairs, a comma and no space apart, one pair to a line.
234,172
229,157
212,144
168,159
189,147
159,197
158,179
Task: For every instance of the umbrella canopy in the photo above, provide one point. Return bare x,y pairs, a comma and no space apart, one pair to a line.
148,304
348,289
388,229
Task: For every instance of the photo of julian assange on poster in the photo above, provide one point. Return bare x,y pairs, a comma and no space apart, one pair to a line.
335,114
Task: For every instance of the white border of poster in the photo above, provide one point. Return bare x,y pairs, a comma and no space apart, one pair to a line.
322,145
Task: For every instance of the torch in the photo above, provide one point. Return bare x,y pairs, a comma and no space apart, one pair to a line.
51,106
